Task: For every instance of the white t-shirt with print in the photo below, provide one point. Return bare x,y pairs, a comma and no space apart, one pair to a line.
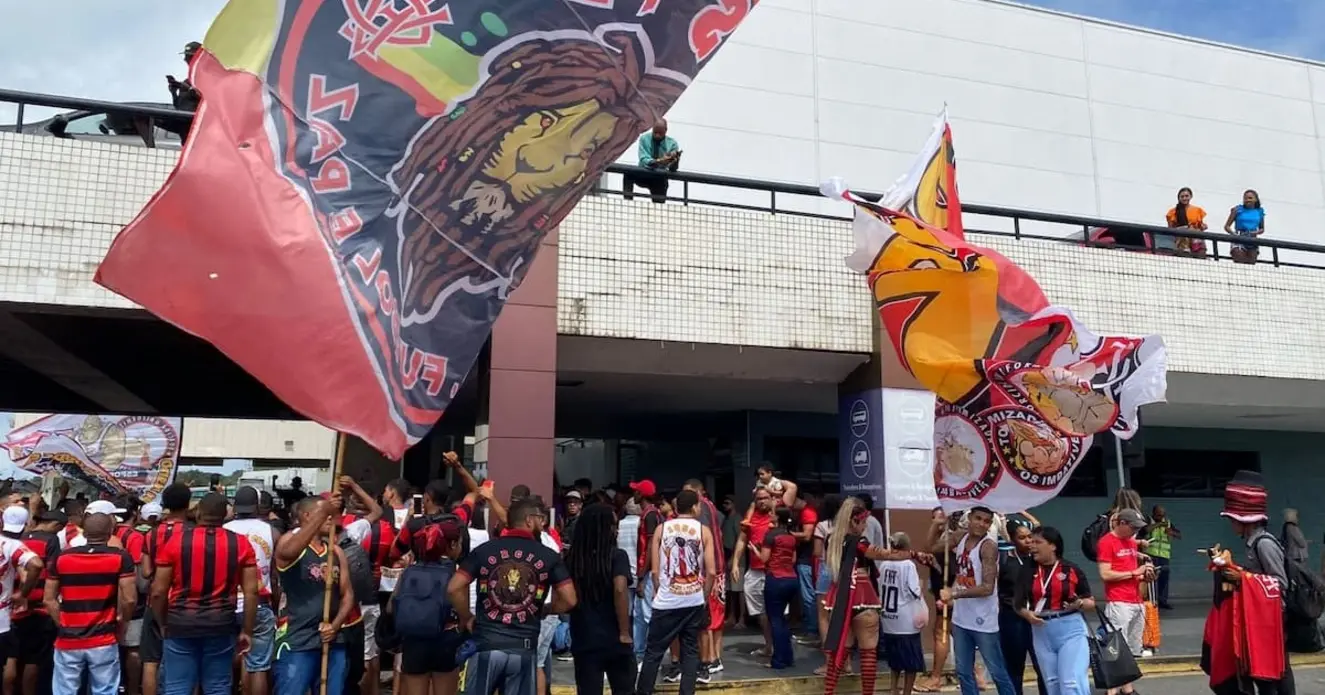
899,590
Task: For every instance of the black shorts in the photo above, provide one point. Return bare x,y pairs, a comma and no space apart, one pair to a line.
150,647
421,657
32,639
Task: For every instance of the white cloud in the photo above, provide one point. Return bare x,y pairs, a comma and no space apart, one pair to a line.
115,51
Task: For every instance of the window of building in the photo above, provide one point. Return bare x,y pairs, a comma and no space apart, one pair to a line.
1088,479
1190,474
810,461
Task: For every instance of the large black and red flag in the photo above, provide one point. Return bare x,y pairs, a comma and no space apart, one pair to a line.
366,181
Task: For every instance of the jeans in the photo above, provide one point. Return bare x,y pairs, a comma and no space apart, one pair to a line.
615,663
298,672
258,659
1162,573
639,622
507,672
668,626
1014,635
1063,650
778,594
197,662
809,611
964,644
102,665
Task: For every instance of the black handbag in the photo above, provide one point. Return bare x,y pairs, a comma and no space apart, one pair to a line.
1111,662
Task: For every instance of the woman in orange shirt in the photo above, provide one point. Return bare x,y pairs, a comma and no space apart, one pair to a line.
1186,216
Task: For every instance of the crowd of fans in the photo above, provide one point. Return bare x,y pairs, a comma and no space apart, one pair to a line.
629,583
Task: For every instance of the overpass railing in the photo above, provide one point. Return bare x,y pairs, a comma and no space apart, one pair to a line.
767,196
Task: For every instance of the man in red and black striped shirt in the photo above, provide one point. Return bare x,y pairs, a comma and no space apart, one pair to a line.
175,501
198,575
90,593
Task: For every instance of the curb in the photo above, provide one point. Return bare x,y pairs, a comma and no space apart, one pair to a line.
804,685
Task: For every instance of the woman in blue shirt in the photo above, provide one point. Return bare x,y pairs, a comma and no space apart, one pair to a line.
1247,219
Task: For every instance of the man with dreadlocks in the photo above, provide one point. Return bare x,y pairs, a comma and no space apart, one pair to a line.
600,626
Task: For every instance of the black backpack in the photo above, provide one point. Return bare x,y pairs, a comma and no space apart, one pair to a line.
420,604
1304,597
361,571
1090,537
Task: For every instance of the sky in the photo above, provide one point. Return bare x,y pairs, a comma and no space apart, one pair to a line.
121,51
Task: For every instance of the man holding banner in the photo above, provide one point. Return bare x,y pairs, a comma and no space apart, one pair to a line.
974,603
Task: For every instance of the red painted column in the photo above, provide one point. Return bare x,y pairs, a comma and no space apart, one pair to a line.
518,399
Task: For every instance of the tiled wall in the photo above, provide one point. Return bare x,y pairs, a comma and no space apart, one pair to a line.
699,273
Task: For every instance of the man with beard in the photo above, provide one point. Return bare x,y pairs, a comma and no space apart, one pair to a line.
515,574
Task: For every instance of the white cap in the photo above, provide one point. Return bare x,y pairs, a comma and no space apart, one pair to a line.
103,507
15,519
151,510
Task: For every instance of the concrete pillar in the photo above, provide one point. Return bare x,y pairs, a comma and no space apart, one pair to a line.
518,384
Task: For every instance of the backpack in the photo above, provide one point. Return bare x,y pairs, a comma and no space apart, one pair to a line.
420,603
361,571
1304,597
1090,537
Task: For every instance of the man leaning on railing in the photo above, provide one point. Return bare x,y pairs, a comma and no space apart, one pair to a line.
658,153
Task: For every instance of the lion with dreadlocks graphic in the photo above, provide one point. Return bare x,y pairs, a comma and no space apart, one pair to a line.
480,186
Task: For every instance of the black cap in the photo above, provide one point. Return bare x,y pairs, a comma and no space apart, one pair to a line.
246,500
53,515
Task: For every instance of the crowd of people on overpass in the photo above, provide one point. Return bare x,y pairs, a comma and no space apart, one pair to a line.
630,583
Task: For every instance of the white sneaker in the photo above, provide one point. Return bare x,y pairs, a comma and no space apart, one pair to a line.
1147,653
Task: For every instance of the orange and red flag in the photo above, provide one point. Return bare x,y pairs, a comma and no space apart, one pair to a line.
1022,386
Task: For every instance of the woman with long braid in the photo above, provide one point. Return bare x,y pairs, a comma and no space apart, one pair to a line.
600,625
853,597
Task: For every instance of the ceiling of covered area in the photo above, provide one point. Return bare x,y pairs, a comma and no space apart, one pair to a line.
642,376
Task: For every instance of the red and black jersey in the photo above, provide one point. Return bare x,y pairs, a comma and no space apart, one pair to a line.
381,536
123,532
45,544
159,536
649,522
206,564
405,539
89,580
1058,585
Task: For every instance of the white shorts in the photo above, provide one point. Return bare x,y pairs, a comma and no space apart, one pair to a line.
754,592
371,612
1129,619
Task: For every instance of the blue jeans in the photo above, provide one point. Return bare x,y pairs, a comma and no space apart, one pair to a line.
964,644
778,594
1063,651
191,662
103,670
258,659
298,672
639,622
809,611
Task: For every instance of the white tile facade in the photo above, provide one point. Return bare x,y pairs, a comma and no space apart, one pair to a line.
1050,112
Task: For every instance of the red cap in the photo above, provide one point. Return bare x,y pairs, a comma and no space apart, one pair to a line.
645,487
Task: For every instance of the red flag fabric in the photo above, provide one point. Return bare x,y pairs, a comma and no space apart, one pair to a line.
365,183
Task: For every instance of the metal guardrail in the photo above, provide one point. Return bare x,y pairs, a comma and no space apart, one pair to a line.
773,189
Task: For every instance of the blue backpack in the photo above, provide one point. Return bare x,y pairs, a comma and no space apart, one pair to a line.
420,604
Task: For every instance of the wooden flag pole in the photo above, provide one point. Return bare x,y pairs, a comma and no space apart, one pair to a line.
947,605
327,572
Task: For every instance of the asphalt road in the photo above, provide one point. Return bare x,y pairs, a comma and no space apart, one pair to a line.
1310,680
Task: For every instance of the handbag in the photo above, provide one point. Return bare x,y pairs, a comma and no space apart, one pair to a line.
1111,662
